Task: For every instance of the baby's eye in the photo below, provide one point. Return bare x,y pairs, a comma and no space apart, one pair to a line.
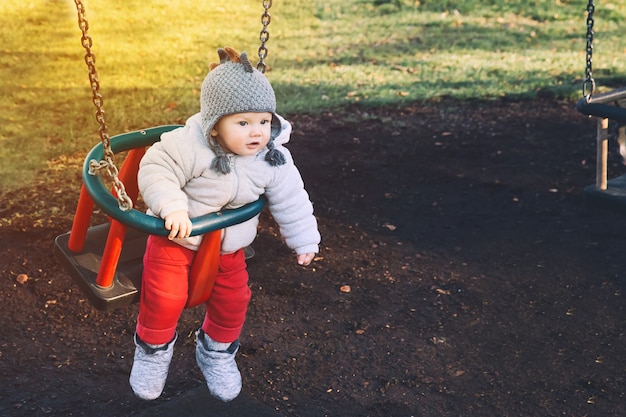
243,123
264,122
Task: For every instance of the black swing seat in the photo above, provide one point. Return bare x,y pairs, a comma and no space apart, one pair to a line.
83,267
598,105
614,197
605,193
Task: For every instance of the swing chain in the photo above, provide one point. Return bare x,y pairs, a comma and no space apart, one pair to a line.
264,36
107,164
589,84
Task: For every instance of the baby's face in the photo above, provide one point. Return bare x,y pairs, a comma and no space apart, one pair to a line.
243,133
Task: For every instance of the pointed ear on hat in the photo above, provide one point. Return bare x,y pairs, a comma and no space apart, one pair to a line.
232,54
228,54
223,55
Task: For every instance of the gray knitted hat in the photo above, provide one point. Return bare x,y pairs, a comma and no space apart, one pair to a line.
234,86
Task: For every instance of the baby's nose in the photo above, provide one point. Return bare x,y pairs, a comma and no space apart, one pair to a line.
256,130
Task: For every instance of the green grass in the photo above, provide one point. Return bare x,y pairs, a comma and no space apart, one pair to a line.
153,55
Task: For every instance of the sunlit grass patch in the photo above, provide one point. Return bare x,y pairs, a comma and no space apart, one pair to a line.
152,56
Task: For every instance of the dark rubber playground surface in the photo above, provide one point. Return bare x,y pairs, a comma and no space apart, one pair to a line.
461,274
198,403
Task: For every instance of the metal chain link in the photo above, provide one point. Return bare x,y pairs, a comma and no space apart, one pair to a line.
589,84
264,36
107,164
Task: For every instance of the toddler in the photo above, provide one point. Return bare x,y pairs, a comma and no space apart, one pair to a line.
226,156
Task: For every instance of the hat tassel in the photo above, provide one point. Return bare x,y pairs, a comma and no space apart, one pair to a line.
274,156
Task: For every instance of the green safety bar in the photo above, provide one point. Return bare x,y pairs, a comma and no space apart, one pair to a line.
103,198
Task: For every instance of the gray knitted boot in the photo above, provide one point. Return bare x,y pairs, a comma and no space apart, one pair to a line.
150,368
217,362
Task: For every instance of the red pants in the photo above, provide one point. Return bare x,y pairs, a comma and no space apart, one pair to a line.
164,289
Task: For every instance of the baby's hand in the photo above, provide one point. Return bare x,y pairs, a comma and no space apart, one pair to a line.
305,258
178,224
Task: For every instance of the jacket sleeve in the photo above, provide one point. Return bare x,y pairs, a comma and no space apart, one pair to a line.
292,209
164,170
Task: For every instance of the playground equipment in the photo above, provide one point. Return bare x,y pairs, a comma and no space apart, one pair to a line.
106,260
611,122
